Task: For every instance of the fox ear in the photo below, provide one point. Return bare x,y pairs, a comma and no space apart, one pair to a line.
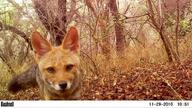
71,40
40,45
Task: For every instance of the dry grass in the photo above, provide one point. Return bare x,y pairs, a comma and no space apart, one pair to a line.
105,70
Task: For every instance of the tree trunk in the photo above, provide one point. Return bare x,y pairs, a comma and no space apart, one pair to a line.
53,20
103,22
106,43
167,45
158,24
120,38
172,55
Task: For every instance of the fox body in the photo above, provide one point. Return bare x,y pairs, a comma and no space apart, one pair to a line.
57,71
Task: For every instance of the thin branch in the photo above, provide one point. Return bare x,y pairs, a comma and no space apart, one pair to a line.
137,16
177,28
16,31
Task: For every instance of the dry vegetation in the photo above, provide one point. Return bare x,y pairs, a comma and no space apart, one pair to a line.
154,82
138,49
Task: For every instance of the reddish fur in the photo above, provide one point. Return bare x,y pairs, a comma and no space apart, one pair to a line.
58,58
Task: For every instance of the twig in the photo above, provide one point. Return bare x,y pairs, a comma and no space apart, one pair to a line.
166,81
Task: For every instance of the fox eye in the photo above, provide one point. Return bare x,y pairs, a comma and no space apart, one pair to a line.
69,67
50,70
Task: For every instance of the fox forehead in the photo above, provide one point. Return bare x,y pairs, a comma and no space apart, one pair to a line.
58,57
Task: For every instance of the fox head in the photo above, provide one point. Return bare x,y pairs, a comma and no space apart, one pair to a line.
58,65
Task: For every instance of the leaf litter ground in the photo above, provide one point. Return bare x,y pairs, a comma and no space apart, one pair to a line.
149,82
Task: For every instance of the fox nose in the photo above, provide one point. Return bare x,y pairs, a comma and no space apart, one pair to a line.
63,85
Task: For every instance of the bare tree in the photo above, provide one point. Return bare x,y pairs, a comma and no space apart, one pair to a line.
53,16
100,12
157,22
120,38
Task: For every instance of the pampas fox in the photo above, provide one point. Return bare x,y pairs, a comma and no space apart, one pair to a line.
57,71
